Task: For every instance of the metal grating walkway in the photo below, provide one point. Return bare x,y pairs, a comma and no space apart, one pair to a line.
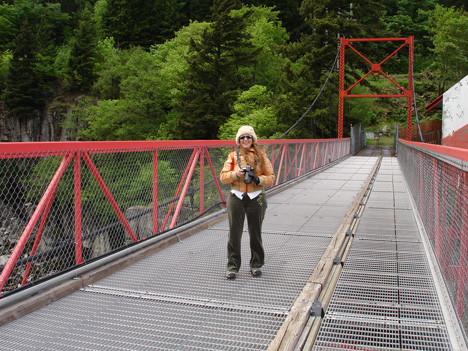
178,298
385,298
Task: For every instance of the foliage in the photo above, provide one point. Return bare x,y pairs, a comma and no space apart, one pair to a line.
82,54
23,95
197,68
407,18
449,27
142,23
253,107
220,66
5,58
267,37
8,28
311,60
31,74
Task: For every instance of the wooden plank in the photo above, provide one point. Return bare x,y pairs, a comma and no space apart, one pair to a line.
293,326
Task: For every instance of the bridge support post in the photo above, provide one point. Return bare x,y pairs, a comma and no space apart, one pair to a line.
375,69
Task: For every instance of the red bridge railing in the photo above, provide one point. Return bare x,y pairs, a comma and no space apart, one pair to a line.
65,204
438,179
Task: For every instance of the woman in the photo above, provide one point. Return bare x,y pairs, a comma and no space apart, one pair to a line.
248,170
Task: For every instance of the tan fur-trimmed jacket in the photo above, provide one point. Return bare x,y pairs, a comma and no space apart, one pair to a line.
228,173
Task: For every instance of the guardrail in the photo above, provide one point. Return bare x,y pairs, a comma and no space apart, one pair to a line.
438,179
65,204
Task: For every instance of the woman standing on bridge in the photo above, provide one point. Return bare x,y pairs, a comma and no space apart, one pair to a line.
248,170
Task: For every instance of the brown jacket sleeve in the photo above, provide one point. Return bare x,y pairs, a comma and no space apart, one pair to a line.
268,177
228,173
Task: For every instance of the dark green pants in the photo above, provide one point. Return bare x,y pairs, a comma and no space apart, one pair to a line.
237,211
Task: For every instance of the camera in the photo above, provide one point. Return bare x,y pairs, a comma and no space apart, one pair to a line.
249,174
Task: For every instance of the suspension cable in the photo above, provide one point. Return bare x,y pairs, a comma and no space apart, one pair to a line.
316,98
414,100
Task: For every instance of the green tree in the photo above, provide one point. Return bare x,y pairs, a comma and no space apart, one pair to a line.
404,18
109,69
82,54
173,72
459,4
197,10
8,27
449,27
31,74
23,95
289,15
312,58
253,107
268,37
5,58
136,114
220,66
142,23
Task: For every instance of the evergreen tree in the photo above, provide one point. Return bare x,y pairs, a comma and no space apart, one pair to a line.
197,10
23,94
289,15
31,73
220,67
458,4
8,28
142,23
82,55
312,58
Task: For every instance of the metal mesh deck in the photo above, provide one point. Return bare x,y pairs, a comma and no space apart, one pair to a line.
179,299
385,298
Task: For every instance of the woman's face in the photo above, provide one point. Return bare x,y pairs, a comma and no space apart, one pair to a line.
245,141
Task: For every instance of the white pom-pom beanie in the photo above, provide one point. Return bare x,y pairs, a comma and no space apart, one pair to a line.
246,130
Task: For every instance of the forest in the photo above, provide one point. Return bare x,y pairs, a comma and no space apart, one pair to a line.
198,69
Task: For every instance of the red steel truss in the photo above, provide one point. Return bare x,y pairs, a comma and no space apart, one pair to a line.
290,159
376,68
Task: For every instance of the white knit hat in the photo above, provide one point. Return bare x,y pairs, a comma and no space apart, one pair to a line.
246,130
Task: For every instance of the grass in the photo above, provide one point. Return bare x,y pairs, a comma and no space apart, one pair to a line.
382,141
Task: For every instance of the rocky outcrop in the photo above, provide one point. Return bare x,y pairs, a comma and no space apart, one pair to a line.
42,126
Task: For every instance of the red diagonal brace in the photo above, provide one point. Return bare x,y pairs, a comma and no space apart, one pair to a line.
45,200
108,195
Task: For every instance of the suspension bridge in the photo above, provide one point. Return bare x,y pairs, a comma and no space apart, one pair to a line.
362,252
122,245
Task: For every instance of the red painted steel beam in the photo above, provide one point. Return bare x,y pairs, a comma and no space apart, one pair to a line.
376,68
187,168
155,192
38,237
202,180
77,198
109,196
410,90
461,154
45,200
281,163
341,90
185,188
214,174
375,39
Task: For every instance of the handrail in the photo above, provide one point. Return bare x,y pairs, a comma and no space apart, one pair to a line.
122,191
